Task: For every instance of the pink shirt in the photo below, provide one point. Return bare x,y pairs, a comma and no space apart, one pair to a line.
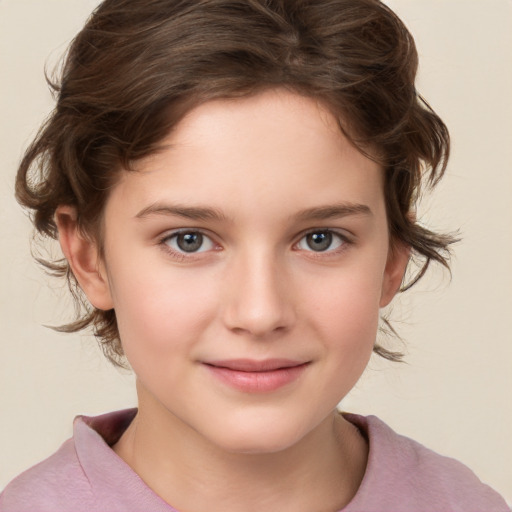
85,475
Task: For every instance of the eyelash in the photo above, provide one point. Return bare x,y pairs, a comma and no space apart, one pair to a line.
183,256
345,242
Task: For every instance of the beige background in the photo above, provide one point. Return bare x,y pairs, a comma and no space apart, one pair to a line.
454,393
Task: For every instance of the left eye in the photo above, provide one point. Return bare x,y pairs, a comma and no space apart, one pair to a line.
189,242
321,241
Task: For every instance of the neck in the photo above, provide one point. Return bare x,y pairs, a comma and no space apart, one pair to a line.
321,472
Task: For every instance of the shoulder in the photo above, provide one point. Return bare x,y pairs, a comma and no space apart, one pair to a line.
405,475
54,484
78,476
84,475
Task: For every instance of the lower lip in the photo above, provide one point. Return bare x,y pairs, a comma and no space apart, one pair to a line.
257,382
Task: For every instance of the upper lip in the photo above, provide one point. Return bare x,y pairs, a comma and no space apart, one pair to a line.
253,365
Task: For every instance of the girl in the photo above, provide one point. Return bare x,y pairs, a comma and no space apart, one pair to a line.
232,184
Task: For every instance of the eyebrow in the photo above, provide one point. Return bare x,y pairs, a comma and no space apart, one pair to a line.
187,212
334,211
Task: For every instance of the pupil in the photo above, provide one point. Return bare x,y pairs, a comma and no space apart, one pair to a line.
190,242
319,241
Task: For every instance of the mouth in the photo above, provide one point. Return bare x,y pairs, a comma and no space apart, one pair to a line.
252,376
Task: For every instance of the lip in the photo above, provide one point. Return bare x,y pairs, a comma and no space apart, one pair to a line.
253,376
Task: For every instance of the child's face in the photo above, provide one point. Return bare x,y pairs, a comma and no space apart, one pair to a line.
256,239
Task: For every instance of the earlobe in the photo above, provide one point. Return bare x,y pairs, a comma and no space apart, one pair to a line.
83,258
396,265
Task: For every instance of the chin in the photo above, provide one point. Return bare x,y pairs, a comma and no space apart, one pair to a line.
256,445
262,436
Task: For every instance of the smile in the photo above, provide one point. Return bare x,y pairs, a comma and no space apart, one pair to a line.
252,376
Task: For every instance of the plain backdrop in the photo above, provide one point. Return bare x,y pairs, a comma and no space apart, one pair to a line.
454,392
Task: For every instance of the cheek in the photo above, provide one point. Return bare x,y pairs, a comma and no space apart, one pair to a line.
160,311
344,318
346,313
348,295
350,321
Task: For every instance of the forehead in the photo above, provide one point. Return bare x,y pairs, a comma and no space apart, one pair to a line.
274,152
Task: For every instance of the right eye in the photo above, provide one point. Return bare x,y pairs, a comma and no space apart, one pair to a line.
188,242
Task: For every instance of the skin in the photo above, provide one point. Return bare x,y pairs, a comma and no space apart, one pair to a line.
269,169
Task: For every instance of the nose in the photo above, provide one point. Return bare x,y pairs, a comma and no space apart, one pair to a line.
260,298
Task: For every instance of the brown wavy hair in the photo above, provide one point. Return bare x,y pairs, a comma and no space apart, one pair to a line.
138,66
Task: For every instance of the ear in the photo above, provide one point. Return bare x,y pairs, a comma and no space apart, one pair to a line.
83,258
398,257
